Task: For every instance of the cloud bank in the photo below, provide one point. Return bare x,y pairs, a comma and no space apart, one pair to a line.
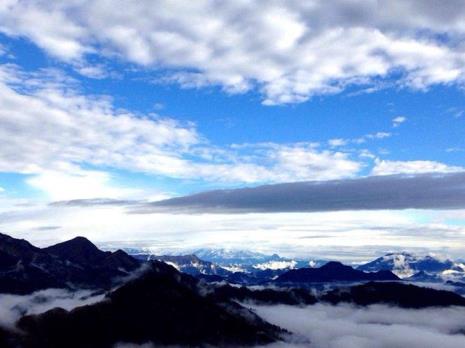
13,307
288,50
377,326
422,191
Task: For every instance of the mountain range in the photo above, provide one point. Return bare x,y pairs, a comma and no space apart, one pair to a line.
405,264
189,264
420,269
155,302
333,272
249,268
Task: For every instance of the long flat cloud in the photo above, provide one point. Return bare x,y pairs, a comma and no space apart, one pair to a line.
424,191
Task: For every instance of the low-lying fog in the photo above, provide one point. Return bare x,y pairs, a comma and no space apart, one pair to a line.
318,326
376,326
13,307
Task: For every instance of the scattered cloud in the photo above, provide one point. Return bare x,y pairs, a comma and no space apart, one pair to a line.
379,326
456,112
337,142
397,121
52,132
455,149
383,167
94,71
303,49
427,191
378,135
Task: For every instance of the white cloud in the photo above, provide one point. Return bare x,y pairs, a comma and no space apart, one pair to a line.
337,142
397,121
290,51
380,326
378,135
94,71
51,131
383,167
346,235
2,189
13,307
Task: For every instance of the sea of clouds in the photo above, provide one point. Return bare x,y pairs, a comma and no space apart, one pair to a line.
318,326
13,307
376,326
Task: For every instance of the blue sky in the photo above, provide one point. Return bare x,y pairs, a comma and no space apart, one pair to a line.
172,99
432,129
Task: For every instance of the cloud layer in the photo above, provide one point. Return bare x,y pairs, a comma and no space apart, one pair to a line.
289,50
52,131
13,307
377,326
422,191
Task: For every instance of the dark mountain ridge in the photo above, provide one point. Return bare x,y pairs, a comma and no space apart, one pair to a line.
77,263
161,306
394,293
333,272
79,250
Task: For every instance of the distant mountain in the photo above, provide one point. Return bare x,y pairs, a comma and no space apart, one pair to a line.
192,265
25,268
210,272
234,266
162,306
228,257
332,272
406,265
246,261
394,293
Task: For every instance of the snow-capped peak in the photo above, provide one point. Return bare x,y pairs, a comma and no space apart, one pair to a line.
405,265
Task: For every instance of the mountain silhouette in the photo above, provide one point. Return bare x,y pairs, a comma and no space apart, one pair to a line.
394,293
332,272
161,306
76,263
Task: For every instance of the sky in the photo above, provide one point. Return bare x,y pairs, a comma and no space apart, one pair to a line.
109,106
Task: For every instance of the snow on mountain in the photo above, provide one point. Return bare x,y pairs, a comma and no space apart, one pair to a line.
202,261
237,260
190,264
235,256
406,265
